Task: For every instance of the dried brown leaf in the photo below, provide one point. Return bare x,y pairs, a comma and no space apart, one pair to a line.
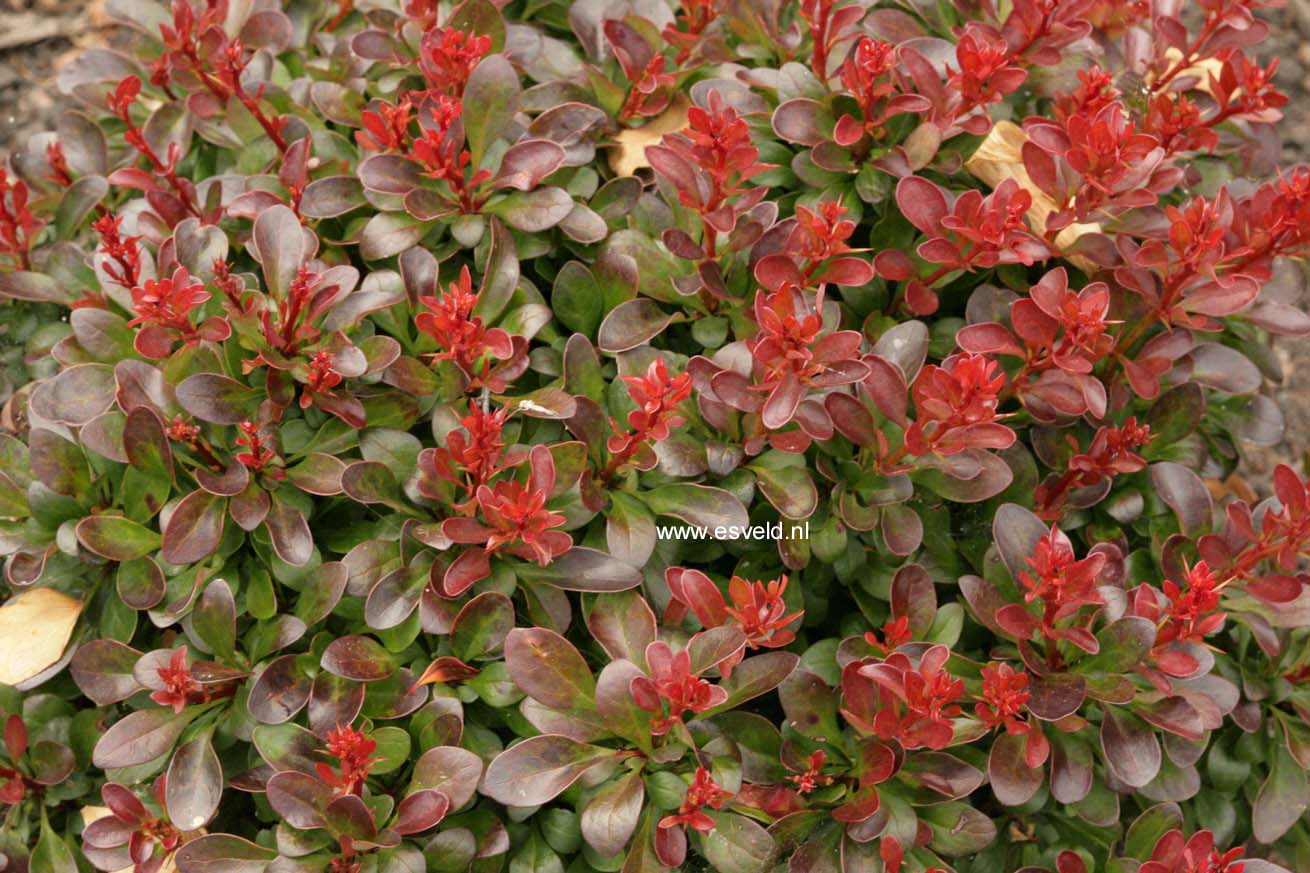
628,154
35,627
1000,157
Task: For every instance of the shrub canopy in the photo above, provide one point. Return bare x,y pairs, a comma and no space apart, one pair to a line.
605,436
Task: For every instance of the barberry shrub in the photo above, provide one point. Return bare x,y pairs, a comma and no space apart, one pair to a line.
605,436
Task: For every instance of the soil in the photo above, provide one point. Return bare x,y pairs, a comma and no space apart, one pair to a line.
38,36
1289,42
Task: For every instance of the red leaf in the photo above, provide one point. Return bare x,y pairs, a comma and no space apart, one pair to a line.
922,203
847,271
694,588
1016,620
921,299
195,528
893,265
473,565
420,811
990,338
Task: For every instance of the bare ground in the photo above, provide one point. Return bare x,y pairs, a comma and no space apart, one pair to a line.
1289,41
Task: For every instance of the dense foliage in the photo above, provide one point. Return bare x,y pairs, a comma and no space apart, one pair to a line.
606,436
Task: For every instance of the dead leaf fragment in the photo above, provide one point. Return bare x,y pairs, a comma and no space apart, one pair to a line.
1000,157
35,627
628,154
1234,486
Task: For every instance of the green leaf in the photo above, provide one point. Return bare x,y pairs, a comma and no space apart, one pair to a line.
359,658
492,93
52,854
388,234
959,830
392,751
1174,415
536,856
790,489
1282,798
582,569
739,845
480,627
810,704
993,477
576,300
1147,829
214,620
1123,645
116,538
78,201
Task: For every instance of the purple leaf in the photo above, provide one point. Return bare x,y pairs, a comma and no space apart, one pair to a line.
533,211
610,817
630,324
527,162
195,528
222,853
453,771
1132,753
420,811
358,657
138,738
299,799
548,668
194,785
1013,782
537,769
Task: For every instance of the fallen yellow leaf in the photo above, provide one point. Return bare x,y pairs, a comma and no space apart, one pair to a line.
1234,486
1000,157
35,626
628,154
93,813
1201,70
